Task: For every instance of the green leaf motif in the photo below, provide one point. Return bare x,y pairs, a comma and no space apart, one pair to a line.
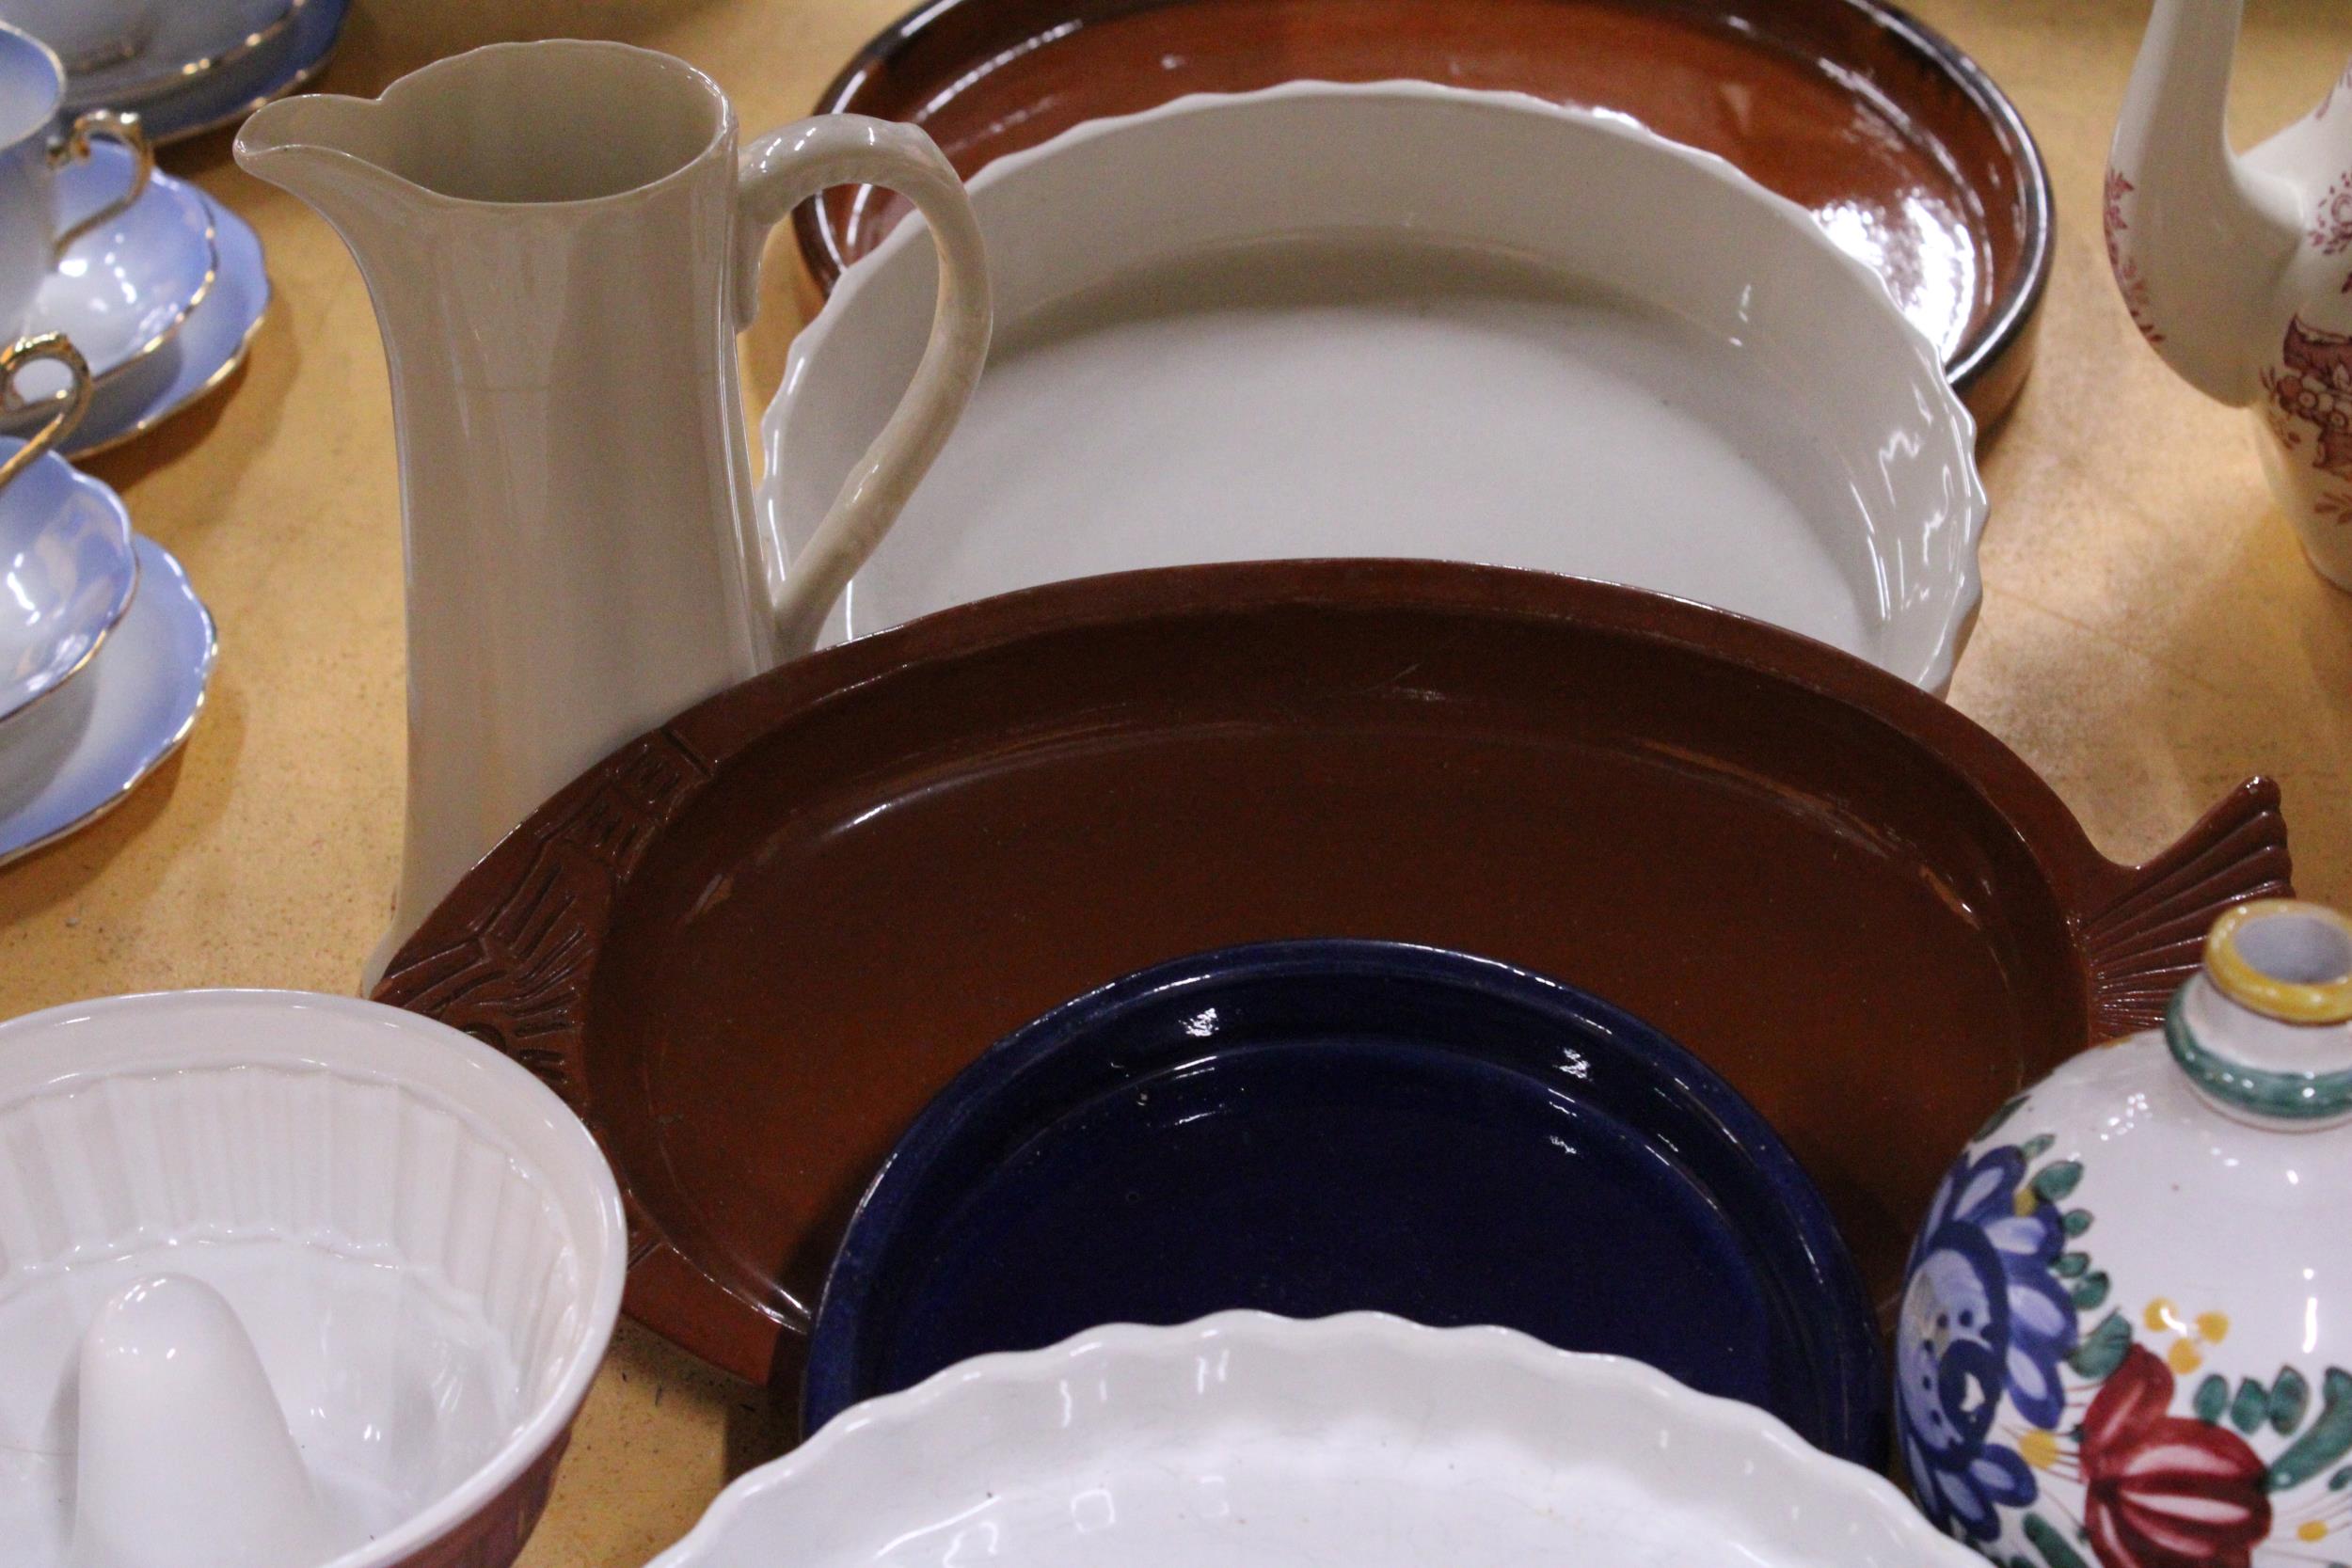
2102,1349
1993,1123
2091,1292
2290,1401
2034,1149
2340,1479
2213,1399
2250,1408
2327,1441
2071,1264
2051,1544
2051,1183
2077,1222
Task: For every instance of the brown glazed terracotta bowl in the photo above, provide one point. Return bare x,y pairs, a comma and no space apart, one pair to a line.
1902,146
749,946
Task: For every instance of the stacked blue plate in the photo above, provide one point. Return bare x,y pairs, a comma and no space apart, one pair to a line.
163,300
104,654
184,66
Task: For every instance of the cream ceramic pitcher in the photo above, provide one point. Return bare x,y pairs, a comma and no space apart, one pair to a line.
562,244
2238,269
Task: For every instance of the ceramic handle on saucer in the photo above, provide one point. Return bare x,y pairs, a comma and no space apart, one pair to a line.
50,345
780,171
122,128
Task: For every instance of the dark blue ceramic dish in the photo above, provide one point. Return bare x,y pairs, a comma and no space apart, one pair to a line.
1314,1127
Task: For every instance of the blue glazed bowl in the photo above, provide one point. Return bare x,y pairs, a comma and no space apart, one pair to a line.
1315,1127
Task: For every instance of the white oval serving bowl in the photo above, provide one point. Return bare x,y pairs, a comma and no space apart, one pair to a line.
1406,319
422,1244
1359,1439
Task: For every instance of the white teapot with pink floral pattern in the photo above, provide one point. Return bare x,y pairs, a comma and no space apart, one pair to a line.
2126,1339
2238,270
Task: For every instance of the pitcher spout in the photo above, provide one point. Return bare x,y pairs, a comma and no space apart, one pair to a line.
325,149
2199,242
304,143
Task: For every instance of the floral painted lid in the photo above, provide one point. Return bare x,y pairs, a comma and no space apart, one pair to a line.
2126,1335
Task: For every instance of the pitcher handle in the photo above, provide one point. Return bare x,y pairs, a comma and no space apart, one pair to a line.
780,171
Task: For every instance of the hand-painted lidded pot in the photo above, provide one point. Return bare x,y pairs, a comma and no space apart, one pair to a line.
2124,1340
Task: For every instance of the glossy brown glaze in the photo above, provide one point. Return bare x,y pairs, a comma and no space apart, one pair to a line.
1900,142
749,946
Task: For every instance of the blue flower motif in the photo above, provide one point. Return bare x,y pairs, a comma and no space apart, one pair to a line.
1983,1316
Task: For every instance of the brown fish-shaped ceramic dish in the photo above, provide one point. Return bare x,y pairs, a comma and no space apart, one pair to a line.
749,946
1899,142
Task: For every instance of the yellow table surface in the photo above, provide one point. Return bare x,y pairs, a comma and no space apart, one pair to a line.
2150,633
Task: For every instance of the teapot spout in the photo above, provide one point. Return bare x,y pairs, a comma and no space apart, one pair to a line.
2198,242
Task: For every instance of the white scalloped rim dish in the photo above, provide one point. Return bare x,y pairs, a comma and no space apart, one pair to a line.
1399,319
1247,1439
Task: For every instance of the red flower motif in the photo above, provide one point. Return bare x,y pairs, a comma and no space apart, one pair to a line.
2331,220
2165,1491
